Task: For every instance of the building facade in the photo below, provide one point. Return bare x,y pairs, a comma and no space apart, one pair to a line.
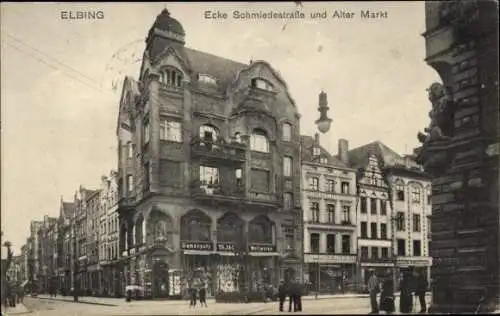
64,241
209,168
460,150
329,202
393,233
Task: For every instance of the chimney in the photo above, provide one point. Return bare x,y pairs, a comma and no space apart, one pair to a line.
316,139
343,149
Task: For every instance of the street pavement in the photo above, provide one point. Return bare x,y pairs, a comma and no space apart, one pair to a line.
18,310
63,306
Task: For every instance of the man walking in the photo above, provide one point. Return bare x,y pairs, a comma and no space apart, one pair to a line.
203,295
373,289
281,294
420,290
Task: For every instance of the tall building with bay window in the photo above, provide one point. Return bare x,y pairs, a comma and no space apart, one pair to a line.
209,171
392,233
329,212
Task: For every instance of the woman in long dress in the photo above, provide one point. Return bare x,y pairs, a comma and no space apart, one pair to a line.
406,298
387,296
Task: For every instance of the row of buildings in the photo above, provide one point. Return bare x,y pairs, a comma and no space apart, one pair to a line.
215,181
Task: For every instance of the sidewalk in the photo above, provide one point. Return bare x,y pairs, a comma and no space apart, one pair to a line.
18,310
346,296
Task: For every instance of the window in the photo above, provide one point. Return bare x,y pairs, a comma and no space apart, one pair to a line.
331,213
345,187
206,79
416,223
330,185
400,192
314,242
364,230
323,160
417,248
258,141
374,253
170,130
330,243
373,206
401,247
429,223
147,175
130,149
314,184
209,175
289,238
287,166
287,201
383,207
238,176
315,211
346,214
373,230
147,132
416,196
262,84
363,205
383,230
208,133
316,151
287,132
171,77
130,183
237,137
346,244
364,252
429,198
400,222
385,252
260,180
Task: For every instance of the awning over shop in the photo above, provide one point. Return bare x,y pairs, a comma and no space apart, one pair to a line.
198,252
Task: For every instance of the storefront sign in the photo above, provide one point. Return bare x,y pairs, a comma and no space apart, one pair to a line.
208,245
324,258
263,248
410,262
225,247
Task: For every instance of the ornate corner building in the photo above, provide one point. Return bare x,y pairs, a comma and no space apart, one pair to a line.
460,150
209,171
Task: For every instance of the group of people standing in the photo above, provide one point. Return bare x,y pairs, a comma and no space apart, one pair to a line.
411,283
195,293
292,290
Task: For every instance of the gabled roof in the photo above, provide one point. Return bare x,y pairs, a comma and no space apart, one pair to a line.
129,85
67,209
358,157
307,143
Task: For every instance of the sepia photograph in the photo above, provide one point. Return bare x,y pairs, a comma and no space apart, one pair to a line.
249,158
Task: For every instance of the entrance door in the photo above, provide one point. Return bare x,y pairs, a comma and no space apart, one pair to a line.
160,280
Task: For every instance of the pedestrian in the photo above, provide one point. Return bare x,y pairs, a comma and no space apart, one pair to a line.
373,289
406,297
421,287
281,294
387,296
192,293
203,295
300,292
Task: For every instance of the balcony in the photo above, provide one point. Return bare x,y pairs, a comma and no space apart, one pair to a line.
379,260
217,151
126,201
266,198
217,191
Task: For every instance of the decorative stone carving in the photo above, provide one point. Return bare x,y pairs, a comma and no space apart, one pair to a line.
439,126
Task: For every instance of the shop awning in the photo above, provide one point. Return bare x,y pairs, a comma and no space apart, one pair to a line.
198,252
264,254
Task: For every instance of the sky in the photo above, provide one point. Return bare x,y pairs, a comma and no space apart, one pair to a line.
61,81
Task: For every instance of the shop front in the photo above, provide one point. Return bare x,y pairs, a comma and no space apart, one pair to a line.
383,267
421,265
330,273
198,264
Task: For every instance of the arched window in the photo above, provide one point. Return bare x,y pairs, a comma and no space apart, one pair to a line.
229,228
416,195
195,226
171,77
260,230
287,132
208,133
258,141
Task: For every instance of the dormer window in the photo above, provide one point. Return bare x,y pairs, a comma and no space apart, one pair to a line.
171,77
207,79
324,160
316,151
262,84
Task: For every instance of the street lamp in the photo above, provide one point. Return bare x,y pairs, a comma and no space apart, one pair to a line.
324,122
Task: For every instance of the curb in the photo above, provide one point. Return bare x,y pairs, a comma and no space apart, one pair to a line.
71,301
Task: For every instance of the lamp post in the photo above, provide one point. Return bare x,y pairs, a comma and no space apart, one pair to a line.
324,122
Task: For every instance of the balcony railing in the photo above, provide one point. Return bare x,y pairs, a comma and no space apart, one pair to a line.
264,197
376,259
217,191
217,150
